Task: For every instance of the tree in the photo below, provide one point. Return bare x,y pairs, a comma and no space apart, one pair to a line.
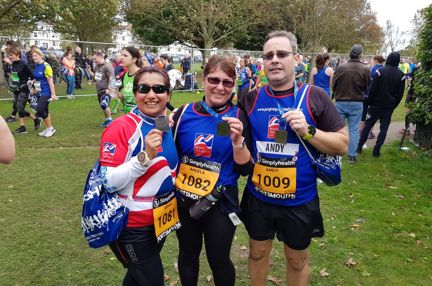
196,23
17,17
421,113
334,24
260,24
394,38
91,21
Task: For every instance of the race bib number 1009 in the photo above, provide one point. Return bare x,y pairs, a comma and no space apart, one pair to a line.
277,176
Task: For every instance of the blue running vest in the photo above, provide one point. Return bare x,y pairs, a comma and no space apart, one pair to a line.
295,183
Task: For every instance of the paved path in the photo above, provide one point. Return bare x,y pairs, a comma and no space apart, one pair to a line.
393,133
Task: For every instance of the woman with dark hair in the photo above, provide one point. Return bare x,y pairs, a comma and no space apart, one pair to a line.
131,60
68,69
321,74
244,79
211,149
139,161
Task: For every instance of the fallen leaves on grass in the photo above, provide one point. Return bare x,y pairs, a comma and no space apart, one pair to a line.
243,247
412,234
355,226
173,283
350,262
209,278
324,273
399,196
166,277
274,280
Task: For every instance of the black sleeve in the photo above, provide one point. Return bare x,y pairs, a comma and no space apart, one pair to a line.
245,169
28,72
324,111
400,92
373,88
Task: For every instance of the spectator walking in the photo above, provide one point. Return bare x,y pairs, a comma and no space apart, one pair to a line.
79,67
350,82
68,71
385,94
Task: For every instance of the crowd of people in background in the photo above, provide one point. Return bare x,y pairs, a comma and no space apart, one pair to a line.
141,157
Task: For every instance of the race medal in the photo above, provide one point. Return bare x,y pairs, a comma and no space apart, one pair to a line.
165,215
275,176
223,129
196,177
281,136
162,124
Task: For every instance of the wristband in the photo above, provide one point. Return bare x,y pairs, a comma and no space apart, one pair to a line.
239,146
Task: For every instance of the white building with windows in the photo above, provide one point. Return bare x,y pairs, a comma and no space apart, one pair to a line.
44,36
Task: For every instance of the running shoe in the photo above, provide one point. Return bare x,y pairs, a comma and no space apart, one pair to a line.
43,132
50,132
10,119
106,123
37,123
352,159
21,130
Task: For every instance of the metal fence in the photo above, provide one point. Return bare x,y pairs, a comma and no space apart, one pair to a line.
176,51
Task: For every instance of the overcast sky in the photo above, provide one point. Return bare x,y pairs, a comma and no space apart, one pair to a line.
400,12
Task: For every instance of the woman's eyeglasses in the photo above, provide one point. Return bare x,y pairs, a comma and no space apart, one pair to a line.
158,89
280,54
216,81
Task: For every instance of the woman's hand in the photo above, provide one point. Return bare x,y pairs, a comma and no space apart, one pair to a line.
153,141
236,128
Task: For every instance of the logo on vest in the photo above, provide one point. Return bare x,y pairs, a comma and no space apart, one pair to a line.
272,125
203,144
108,151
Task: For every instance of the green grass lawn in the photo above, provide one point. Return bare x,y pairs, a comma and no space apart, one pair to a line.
379,217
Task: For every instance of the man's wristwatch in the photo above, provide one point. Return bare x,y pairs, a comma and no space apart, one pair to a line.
310,134
143,159
239,146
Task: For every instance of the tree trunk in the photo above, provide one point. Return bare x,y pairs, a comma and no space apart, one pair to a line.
2,78
423,135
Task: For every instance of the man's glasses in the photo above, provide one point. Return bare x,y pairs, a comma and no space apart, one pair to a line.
216,81
280,54
158,89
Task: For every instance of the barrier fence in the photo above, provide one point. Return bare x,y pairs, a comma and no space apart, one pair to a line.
176,51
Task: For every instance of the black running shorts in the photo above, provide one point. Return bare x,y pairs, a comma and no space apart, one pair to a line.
295,226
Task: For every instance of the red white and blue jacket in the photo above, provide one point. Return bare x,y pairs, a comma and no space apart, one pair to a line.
136,185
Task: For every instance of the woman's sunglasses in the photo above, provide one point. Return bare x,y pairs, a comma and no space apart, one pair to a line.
280,54
216,81
158,89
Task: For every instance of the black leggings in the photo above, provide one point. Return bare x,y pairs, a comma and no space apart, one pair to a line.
218,231
20,101
42,107
139,252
